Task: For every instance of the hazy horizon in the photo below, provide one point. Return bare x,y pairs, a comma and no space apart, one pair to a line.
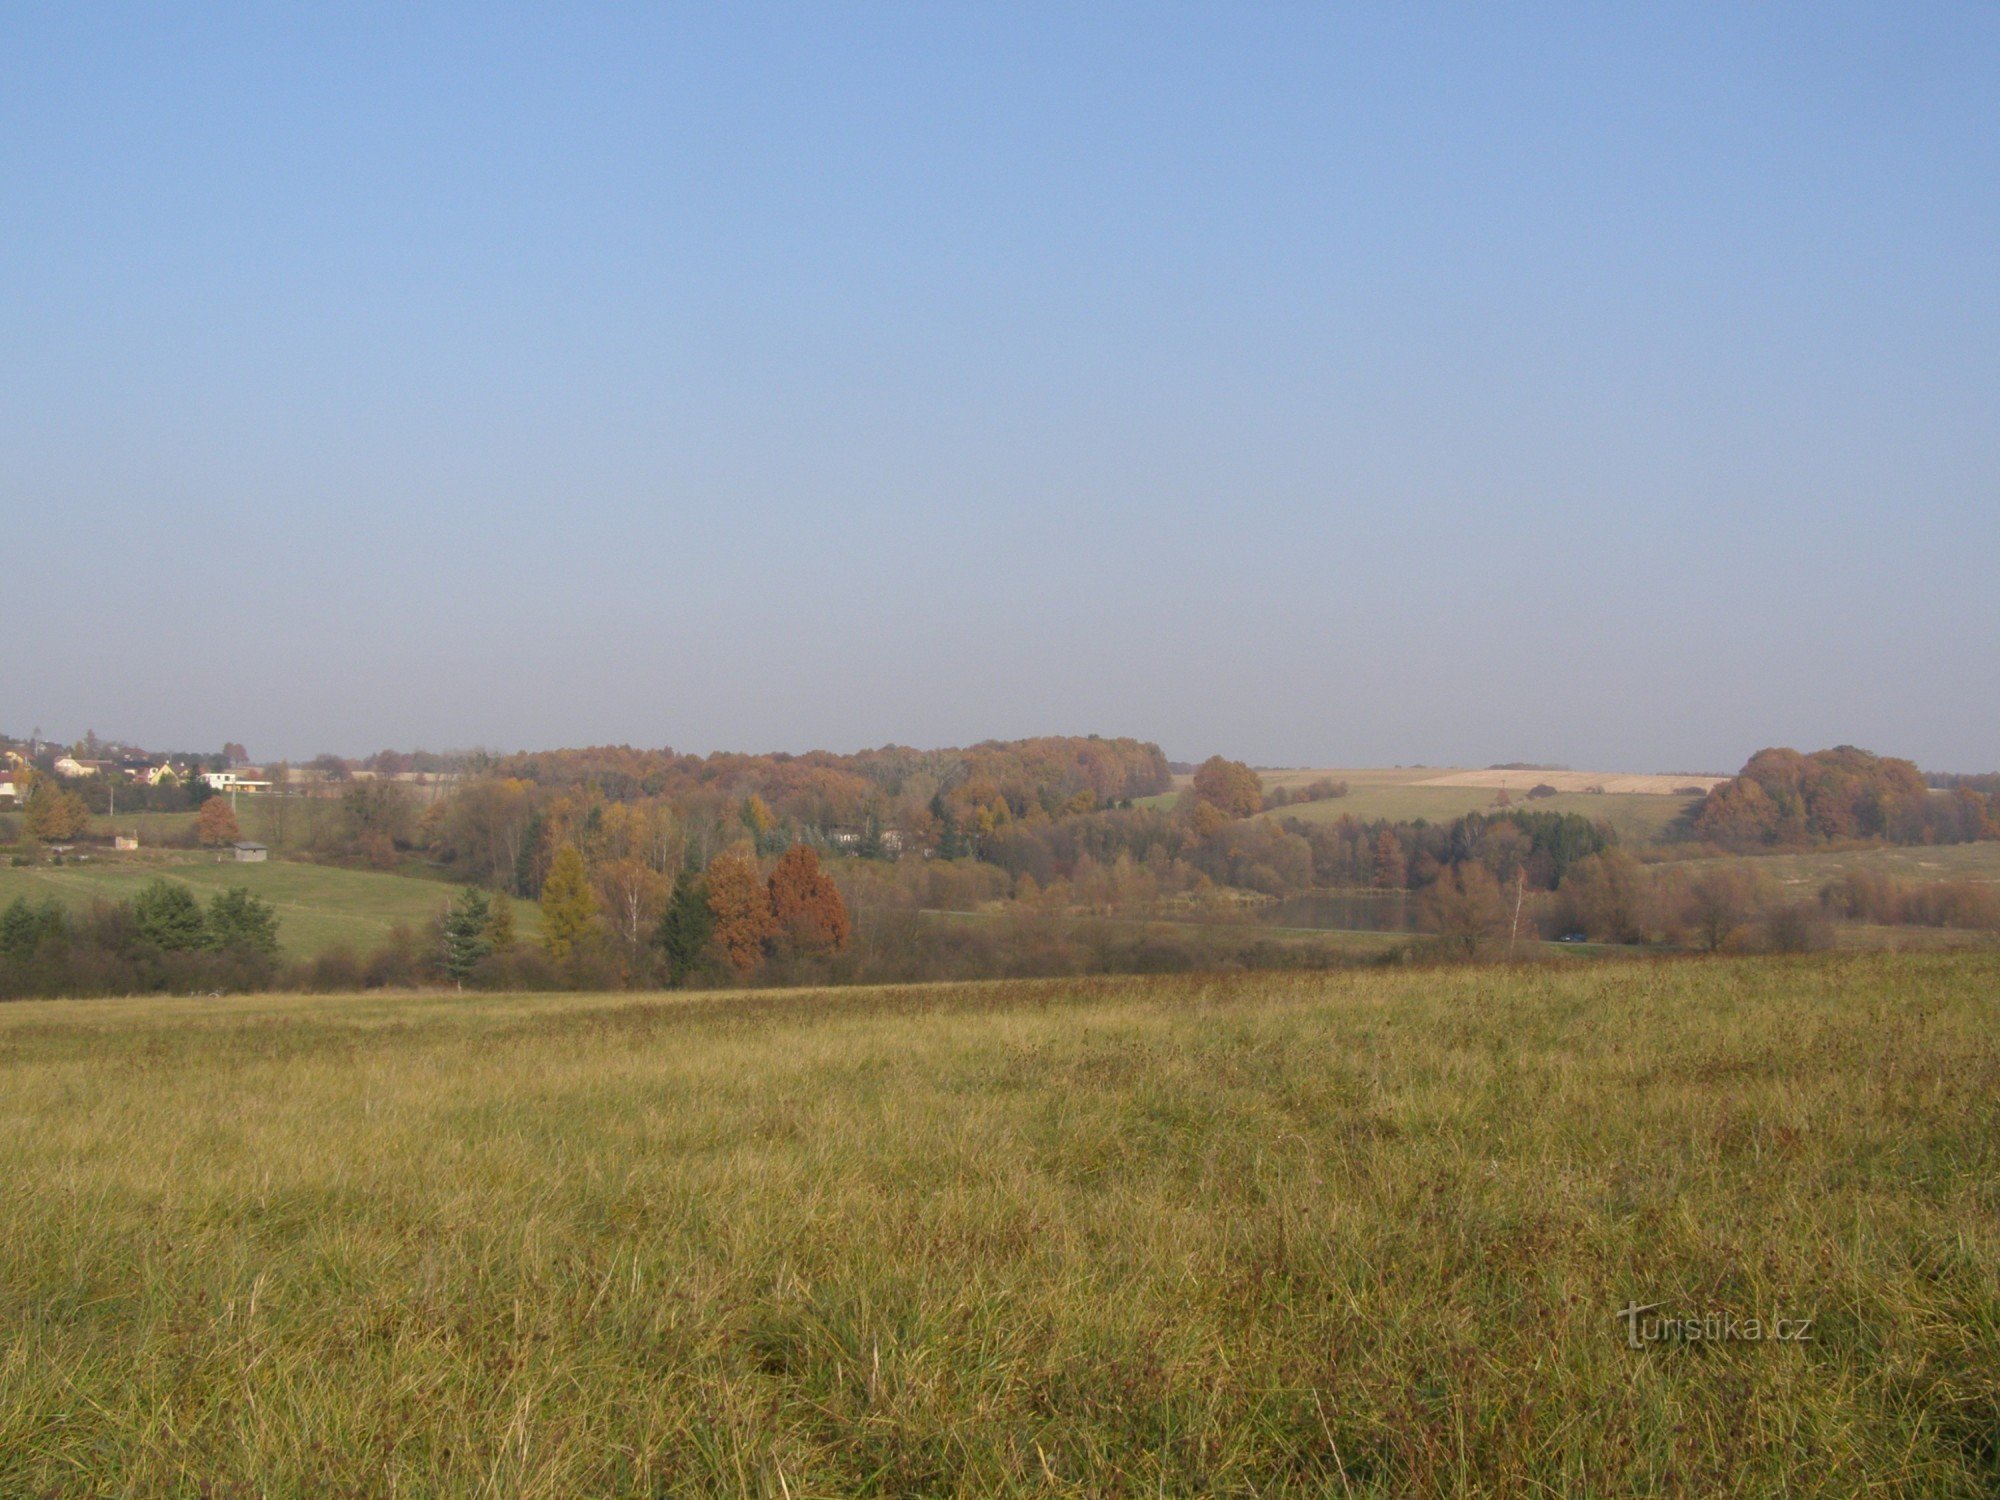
1608,388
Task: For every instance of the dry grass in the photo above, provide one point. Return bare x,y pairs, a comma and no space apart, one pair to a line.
1349,1234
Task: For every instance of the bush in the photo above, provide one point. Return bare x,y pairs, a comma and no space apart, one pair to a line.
334,970
1798,927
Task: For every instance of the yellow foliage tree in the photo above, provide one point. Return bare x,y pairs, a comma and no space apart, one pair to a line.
568,907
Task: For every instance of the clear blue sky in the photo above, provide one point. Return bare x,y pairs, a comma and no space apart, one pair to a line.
1617,385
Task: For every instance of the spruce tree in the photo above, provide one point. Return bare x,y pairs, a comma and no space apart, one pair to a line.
466,933
166,914
242,923
684,928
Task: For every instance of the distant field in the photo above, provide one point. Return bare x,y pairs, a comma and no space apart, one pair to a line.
1408,794
1581,781
257,817
1349,940
152,827
1808,872
1363,1234
1436,793
319,907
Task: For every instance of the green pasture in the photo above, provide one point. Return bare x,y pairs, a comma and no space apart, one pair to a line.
1807,872
319,906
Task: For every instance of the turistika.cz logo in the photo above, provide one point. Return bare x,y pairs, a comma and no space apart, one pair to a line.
1645,1325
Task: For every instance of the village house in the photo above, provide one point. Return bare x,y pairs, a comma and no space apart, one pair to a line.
230,781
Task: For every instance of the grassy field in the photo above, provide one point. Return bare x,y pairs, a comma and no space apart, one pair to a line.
1806,873
1357,1234
319,906
257,817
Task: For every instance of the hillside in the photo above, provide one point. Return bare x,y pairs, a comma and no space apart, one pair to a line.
1362,1234
319,906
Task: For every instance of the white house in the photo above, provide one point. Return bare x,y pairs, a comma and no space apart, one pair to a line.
229,781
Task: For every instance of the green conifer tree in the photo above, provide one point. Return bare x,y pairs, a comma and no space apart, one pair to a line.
242,923
166,913
685,928
466,933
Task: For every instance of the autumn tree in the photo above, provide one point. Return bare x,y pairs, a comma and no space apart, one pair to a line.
1721,903
279,774
486,825
54,813
1229,786
740,905
500,927
633,894
215,824
1391,870
1782,798
1609,896
568,908
1465,908
805,904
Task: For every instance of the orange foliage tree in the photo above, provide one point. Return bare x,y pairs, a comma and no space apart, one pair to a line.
1229,786
215,823
741,907
805,904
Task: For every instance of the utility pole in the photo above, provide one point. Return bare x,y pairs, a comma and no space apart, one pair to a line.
1520,891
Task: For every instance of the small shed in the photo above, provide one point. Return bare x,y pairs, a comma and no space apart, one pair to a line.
251,854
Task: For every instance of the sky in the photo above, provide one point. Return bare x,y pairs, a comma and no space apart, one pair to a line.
1616,386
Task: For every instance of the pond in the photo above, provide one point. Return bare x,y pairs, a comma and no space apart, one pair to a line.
1343,911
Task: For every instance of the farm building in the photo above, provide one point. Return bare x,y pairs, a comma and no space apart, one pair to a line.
250,854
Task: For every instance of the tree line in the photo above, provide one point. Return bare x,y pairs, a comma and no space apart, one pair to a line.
163,940
1782,799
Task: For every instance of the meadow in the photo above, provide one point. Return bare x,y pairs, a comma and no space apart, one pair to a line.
1362,1233
1807,871
319,906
